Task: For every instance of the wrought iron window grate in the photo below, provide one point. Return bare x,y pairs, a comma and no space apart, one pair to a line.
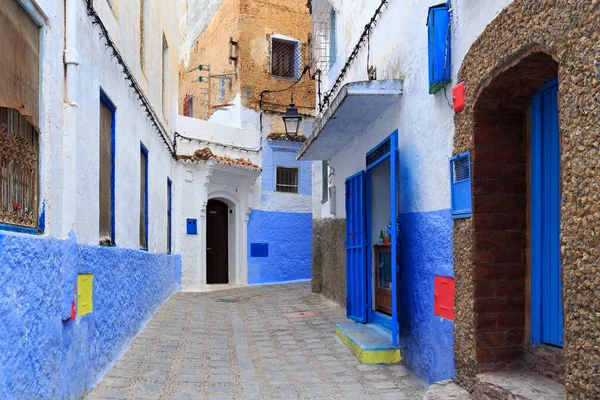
19,154
285,58
287,180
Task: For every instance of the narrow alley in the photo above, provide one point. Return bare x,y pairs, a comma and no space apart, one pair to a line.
262,342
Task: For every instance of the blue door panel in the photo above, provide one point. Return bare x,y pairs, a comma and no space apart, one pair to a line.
356,271
547,322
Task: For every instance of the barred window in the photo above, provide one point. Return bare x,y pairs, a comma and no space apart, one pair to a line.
284,58
287,180
19,154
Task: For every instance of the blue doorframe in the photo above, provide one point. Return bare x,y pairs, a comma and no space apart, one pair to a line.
546,269
386,150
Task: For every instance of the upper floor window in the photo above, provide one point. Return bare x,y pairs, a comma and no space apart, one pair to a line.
284,58
332,48
143,10
287,180
188,106
165,77
19,116
325,182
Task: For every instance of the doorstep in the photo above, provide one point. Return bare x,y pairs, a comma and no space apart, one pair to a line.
520,384
371,344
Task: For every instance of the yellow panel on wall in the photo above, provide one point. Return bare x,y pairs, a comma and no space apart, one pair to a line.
85,304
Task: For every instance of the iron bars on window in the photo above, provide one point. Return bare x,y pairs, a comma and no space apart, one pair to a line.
19,154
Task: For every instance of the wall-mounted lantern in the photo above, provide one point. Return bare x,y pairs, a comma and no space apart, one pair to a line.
292,120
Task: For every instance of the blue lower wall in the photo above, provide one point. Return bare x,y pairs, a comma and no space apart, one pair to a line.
425,251
42,357
289,240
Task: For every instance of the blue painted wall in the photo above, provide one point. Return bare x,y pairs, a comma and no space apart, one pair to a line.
289,237
425,251
42,357
283,154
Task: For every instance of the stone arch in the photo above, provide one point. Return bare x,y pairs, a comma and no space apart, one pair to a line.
532,39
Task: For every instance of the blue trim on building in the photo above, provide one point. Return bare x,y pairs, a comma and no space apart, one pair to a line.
289,236
45,358
144,150
18,229
108,103
170,211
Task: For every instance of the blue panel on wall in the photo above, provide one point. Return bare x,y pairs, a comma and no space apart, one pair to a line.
192,227
438,30
290,246
259,250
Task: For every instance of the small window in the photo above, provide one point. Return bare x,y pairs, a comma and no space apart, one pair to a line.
284,58
188,106
460,186
143,8
143,198
165,78
287,180
325,182
332,37
438,31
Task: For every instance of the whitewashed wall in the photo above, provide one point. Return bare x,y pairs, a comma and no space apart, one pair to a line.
425,122
70,133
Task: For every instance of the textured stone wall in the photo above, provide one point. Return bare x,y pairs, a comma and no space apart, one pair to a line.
329,259
569,32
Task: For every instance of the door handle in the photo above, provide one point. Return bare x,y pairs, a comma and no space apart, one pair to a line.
208,248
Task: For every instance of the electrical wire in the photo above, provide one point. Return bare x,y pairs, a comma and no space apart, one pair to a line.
345,69
230,146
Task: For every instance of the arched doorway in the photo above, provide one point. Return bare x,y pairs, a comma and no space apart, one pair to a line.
516,215
217,242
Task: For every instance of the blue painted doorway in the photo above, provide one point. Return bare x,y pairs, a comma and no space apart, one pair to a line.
546,268
356,260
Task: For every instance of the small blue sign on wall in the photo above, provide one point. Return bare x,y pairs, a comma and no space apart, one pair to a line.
259,250
192,227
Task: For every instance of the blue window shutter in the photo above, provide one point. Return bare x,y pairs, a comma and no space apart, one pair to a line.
461,204
438,31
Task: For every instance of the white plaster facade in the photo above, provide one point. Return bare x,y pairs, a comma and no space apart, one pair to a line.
69,128
398,49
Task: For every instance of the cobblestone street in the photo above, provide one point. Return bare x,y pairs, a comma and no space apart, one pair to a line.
250,343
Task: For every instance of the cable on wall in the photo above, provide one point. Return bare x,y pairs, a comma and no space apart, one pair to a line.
145,103
364,37
208,142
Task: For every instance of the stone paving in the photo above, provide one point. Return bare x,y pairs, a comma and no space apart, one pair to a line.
250,343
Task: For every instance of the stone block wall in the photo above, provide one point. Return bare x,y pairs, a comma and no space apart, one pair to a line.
568,32
329,259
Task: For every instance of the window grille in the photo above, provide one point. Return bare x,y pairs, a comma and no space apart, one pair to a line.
285,60
460,169
324,37
19,156
287,180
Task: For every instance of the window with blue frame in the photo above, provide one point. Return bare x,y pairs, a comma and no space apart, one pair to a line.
460,186
143,197
285,58
439,35
107,171
332,37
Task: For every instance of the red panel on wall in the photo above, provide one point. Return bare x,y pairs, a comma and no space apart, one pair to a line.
458,97
443,297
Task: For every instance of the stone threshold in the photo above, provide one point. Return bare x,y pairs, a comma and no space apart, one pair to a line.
517,385
371,344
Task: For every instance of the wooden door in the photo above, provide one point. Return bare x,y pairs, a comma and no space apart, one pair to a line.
217,243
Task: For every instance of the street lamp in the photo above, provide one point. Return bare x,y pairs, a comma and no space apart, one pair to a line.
292,119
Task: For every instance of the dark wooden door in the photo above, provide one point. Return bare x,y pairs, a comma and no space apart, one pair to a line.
217,248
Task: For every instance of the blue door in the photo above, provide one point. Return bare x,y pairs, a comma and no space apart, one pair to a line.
356,268
546,271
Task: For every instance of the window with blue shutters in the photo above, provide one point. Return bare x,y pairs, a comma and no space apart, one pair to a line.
438,31
460,186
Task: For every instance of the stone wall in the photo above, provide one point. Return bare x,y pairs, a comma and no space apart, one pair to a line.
569,32
329,259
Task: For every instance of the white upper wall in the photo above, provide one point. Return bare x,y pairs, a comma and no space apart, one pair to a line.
194,17
398,48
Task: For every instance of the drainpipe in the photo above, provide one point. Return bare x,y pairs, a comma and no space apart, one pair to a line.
71,59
